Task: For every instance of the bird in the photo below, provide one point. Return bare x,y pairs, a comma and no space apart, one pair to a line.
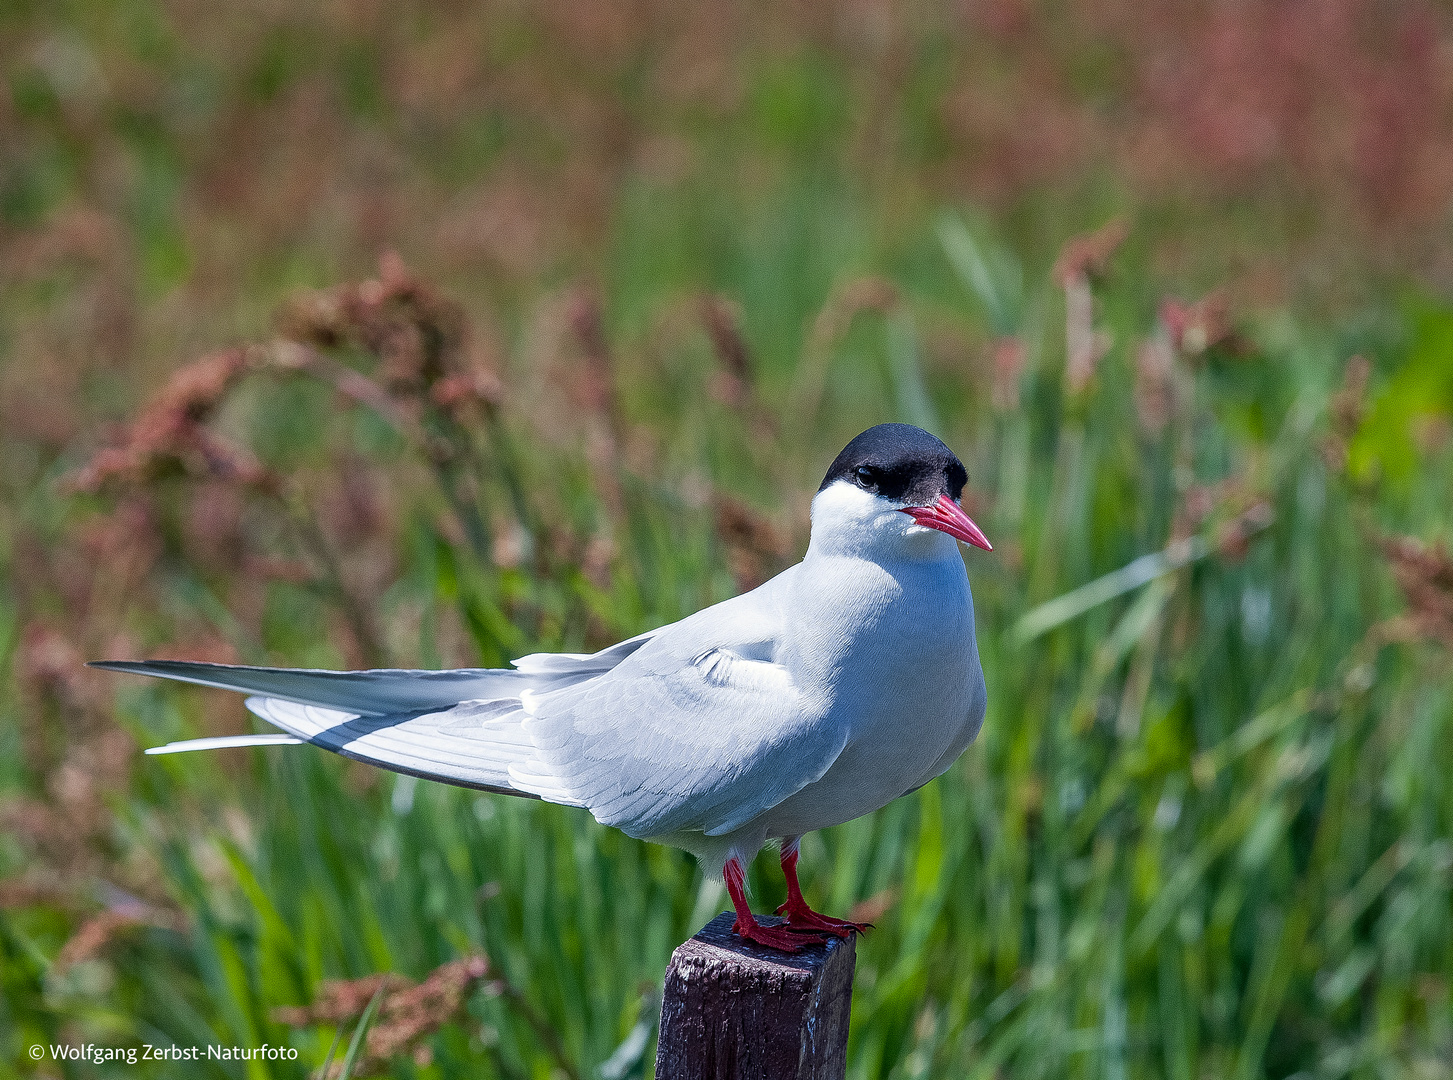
850,679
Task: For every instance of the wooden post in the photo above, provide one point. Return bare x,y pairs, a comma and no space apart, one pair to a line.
732,1010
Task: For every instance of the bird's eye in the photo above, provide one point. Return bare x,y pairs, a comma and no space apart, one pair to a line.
867,476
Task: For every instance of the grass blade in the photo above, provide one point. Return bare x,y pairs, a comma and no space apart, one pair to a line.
364,1022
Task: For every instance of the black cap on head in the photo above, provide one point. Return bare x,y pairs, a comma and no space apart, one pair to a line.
900,462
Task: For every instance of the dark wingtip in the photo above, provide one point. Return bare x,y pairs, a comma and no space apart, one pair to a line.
152,665
144,667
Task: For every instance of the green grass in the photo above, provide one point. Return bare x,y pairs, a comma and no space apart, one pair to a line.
1205,831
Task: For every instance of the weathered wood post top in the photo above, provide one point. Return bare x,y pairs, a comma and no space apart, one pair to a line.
733,1010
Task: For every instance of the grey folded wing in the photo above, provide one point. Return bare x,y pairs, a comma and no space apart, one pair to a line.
672,741
461,727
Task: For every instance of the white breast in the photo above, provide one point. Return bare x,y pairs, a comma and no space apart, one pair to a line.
893,649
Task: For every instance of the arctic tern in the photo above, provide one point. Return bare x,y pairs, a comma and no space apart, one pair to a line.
844,682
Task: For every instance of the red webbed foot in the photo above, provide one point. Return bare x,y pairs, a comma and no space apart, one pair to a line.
802,919
782,938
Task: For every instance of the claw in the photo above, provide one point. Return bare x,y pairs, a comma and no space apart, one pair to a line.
801,919
781,938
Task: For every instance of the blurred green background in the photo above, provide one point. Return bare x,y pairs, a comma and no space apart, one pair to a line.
434,334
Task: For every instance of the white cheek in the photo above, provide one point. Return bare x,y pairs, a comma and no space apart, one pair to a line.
847,517
845,504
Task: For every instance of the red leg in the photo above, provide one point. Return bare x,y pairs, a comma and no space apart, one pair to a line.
747,926
799,915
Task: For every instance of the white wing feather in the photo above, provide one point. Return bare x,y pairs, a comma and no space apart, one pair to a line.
225,742
692,732
472,744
